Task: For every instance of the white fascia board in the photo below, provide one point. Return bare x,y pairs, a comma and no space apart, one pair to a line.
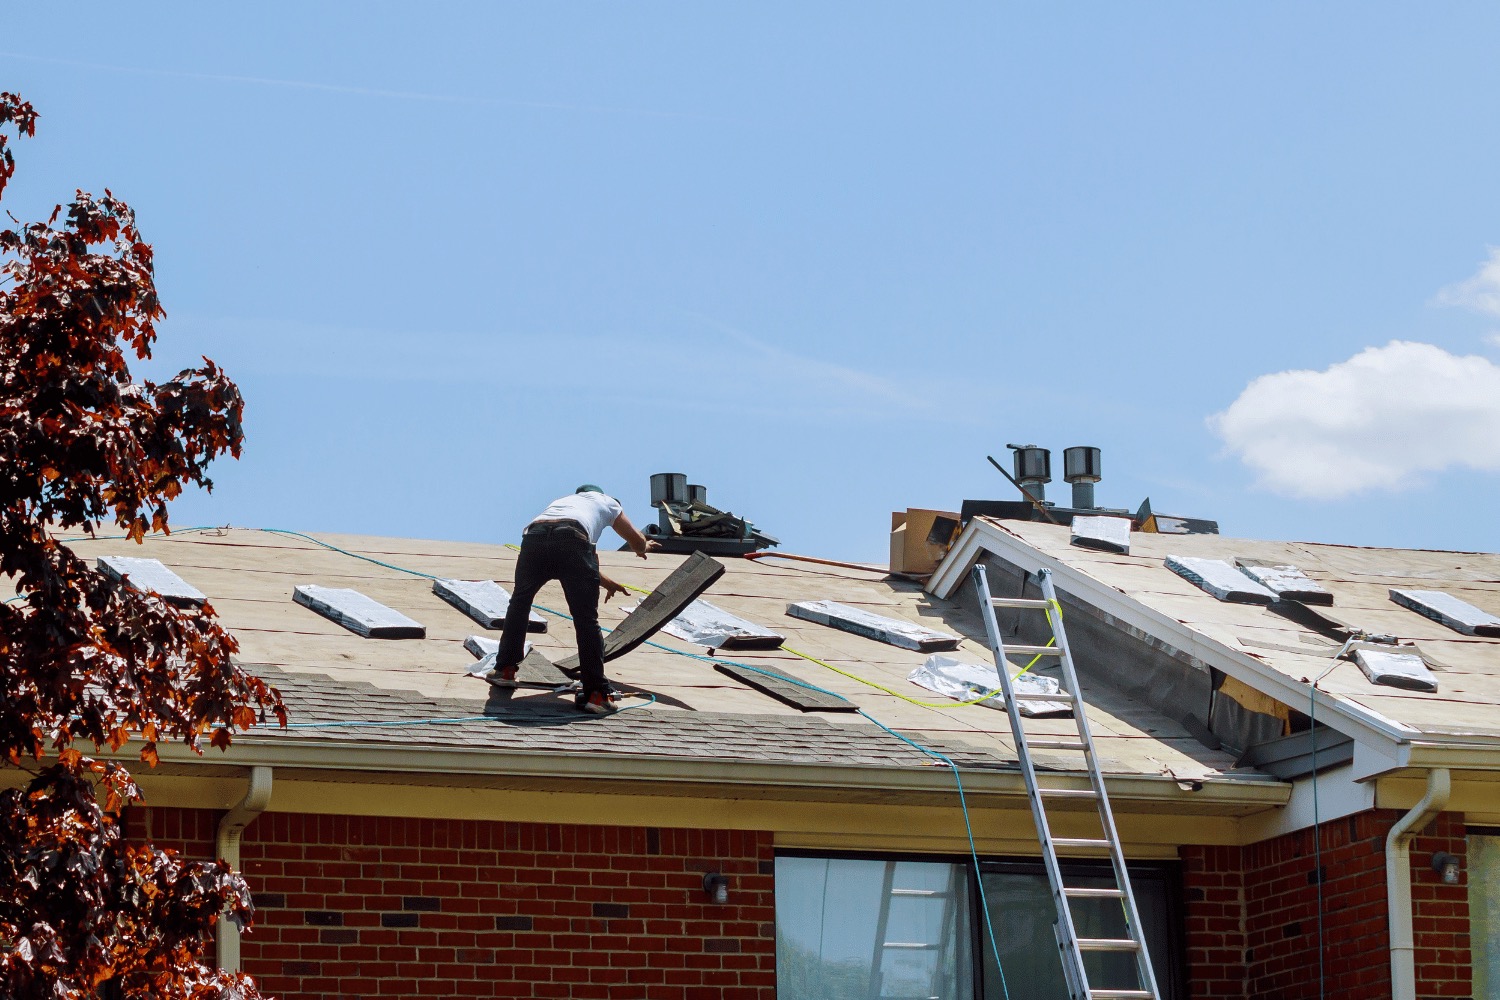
1338,793
981,537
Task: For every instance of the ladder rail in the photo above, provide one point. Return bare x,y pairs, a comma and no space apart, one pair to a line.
1067,934
1071,947
1096,775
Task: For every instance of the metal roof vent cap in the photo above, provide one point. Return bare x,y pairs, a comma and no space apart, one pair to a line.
697,493
1033,468
668,487
1081,467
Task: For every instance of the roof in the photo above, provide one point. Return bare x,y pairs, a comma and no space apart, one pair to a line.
1272,652
331,676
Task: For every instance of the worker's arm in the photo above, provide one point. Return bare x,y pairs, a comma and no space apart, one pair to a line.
639,543
611,588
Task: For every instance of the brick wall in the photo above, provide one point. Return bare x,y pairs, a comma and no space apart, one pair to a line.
432,908
1252,914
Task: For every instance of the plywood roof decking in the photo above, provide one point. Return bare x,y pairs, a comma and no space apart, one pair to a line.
1468,671
249,577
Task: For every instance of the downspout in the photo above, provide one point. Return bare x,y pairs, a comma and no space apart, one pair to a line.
227,844
1398,881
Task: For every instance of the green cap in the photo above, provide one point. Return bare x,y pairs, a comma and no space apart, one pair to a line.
589,488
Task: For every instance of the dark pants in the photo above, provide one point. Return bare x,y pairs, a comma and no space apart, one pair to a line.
558,551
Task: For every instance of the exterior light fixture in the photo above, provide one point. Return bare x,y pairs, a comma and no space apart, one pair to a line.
1445,865
716,886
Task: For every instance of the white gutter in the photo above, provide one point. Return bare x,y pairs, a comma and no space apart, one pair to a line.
1398,881
227,847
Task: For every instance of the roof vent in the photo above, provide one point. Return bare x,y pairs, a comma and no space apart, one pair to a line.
1033,469
1081,467
686,522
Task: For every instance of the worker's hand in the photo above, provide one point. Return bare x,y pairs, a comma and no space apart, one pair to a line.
611,588
652,545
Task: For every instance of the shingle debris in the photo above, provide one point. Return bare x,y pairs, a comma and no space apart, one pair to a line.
1217,577
1460,616
358,613
149,576
857,621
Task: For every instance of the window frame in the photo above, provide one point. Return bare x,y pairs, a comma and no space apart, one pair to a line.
1172,980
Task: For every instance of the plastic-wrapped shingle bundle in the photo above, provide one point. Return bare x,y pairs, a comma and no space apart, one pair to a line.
1396,668
1459,615
1287,582
1111,534
858,621
149,576
1217,577
710,625
358,613
485,601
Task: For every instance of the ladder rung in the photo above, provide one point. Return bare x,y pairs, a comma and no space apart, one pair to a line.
918,892
1046,744
1032,651
1019,602
1080,842
1061,696
912,945
1108,944
1122,994
1069,793
1081,893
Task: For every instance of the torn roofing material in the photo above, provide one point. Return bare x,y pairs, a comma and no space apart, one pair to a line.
151,577
872,626
485,601
1217,577
1460,616
358,613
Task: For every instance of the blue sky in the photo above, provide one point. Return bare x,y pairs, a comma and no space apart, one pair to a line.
823,258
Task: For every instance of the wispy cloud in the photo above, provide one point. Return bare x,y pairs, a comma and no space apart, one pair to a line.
1480,292
1379,420
356,91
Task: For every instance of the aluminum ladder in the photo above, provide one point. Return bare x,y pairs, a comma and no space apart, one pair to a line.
1071,947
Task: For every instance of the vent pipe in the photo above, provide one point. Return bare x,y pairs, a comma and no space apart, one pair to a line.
668,487
697,494
1033,469
1081,467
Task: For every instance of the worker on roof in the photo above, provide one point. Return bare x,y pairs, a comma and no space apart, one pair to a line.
559,545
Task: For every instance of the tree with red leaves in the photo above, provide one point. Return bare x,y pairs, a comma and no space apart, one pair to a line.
86,661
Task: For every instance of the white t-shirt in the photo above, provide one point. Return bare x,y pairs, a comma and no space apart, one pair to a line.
594,511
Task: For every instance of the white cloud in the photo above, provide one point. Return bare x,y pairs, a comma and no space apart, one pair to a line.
1376,421
1481,292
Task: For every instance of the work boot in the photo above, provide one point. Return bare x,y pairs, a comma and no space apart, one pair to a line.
505,677
598,702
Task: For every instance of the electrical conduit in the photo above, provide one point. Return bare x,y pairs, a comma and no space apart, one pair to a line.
227,846
1398,881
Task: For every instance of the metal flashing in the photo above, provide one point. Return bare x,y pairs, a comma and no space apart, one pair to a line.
709,625
1287,582
1460,616
1223,581
358,613
149,576
857,621
485,601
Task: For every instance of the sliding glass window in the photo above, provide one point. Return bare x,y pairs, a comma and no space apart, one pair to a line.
886,928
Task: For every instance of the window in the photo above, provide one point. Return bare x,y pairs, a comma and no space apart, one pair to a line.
863,928
1484,912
